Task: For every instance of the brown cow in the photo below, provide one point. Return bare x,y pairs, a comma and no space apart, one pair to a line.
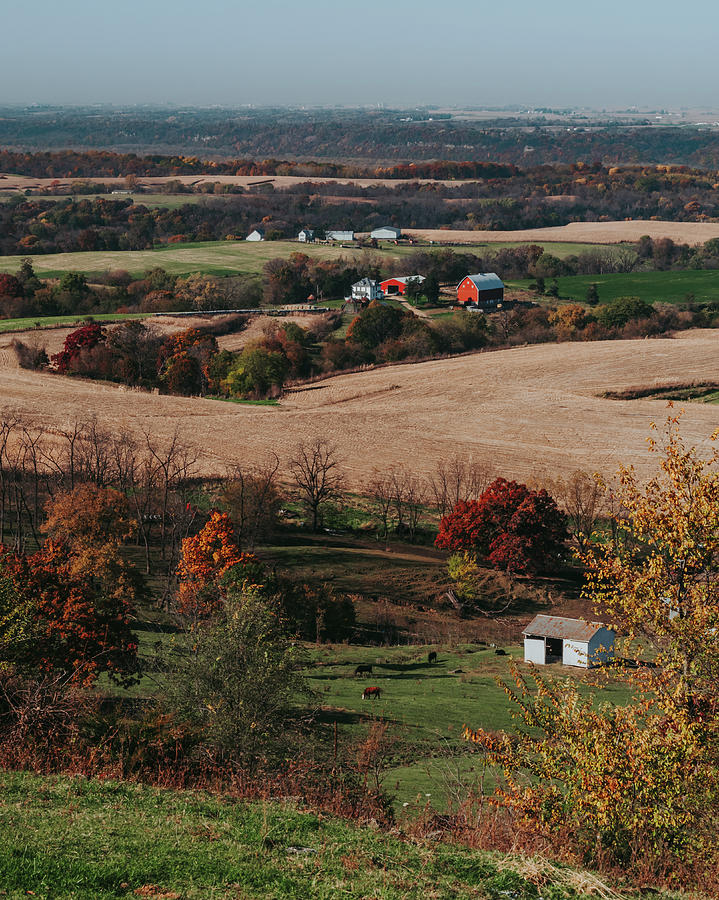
371,692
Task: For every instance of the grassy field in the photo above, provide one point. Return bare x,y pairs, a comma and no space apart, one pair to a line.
219,257
51,321
652,287
95,840
426,707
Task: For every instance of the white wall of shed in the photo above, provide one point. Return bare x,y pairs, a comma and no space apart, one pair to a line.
575,653
535,651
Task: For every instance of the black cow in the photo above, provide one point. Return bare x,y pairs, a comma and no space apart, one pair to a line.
432,657
363,670
500,652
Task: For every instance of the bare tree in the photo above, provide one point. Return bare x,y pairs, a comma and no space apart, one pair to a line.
584,500
415,496
252,498
317,476
458,478
381,489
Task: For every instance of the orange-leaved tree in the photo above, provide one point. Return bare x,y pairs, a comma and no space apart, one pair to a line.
637,782
207,557
53,619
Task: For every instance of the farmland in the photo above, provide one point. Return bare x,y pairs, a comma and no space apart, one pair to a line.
652,287
220,257
590,232
522,411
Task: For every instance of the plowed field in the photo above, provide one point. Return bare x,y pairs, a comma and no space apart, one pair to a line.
524,411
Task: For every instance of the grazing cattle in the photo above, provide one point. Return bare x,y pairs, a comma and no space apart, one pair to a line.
500,652
432,657
363,670
371,692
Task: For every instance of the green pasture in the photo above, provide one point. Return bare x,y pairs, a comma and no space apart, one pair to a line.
652,287
228,257
426,707
167,201
7,325
96,840
209,258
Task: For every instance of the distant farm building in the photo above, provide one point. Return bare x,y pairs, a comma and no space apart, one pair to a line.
573,642
307,236
485,289
367,290
399,285
257,235
386,233
340,235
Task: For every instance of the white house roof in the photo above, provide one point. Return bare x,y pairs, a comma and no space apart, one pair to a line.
485,281
365,282
564,628
405,278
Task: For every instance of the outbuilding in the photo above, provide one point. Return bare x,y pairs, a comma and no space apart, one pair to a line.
573,642
486,289
399,285
307,236
257,235
340,235
367,290
386,233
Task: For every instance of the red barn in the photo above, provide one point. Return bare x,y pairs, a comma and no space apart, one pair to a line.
485,289
399,285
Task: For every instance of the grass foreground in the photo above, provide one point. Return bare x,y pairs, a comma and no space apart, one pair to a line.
74,838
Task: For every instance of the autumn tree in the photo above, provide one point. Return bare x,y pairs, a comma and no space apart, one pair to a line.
206,558
516,528
636,783
90,524
55,619
317,476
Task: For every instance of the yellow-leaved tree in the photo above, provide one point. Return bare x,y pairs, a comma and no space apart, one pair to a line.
635,782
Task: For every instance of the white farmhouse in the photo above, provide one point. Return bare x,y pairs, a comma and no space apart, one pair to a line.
366,289
386,233
573,642
257,235
307,236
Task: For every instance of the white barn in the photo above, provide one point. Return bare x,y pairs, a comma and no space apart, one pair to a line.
340,235
257,235
386,233
307,236
573,642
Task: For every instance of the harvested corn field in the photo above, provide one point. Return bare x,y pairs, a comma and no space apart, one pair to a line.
524,411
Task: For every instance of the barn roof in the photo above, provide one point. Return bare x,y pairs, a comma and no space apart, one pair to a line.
564,628
404,278
485,281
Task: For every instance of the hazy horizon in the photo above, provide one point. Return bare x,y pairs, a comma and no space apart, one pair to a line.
461,53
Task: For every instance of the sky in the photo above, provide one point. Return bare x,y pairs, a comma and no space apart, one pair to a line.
402,53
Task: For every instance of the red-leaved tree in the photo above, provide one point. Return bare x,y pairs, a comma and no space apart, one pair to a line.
516,528
84,338
53,620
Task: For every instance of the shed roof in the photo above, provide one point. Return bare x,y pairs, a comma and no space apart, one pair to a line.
391,228
562,627
485,281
